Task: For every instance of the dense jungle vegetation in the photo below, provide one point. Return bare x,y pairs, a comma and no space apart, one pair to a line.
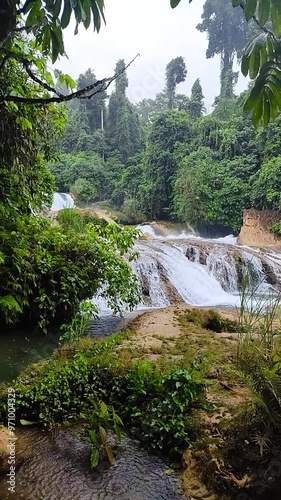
164,157
161,158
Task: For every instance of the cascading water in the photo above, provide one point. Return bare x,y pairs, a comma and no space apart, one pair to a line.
200,271
62,200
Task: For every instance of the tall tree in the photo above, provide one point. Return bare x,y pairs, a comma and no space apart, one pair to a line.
175,73
226,29
196,103
123,130
94,107
169,131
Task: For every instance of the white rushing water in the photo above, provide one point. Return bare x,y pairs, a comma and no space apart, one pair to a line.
182,235
200,271
206,272
62,200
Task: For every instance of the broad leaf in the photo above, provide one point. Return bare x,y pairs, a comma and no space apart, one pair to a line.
174,3
264,10
250,9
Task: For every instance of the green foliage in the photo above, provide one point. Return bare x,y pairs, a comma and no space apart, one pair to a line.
167,132
123,130
261,373
83,190
266,185
46,21
175,73
196,104
49,270
258,316
100,176
153,401
276,228
210,320
72,332
26,143
226,29
261,61
201,176
100,419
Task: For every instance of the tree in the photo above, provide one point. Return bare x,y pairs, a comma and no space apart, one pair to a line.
261,58
45,22
266,186
226,30
27,134
84,190
196,103
175,73
123,130
170,130
94,108
209,191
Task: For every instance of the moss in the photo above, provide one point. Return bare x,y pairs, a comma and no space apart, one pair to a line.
209,320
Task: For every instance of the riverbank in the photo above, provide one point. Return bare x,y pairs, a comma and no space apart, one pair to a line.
174,379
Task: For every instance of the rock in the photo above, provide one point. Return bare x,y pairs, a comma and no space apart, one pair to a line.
255,231
146,236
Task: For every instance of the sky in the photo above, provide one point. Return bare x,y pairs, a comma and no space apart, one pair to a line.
156,32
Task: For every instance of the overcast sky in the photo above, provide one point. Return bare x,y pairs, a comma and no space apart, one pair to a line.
155,31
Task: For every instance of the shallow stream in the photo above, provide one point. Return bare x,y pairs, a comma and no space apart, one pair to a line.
56,467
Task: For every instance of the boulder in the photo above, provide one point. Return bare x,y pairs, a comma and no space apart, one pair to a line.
255,231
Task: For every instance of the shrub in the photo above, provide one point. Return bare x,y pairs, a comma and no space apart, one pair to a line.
210,320
154,401
276,228
48,270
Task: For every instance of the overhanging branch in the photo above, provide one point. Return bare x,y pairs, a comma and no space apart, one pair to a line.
96,88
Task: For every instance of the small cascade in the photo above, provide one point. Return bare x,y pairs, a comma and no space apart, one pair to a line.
207,272
147,269
62,200
161,267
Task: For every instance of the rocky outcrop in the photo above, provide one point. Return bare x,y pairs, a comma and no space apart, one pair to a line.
255,231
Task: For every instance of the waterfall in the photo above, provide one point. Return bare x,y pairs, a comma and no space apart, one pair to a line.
62,200
198,271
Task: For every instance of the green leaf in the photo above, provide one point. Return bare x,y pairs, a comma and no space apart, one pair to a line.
266,110
245,65
254,63
100,4
57,7
96,15
276,16
174,3
273,104
95,457
236,3
27,422
66,14
34,15
257,112
250,9
264,10
254,96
